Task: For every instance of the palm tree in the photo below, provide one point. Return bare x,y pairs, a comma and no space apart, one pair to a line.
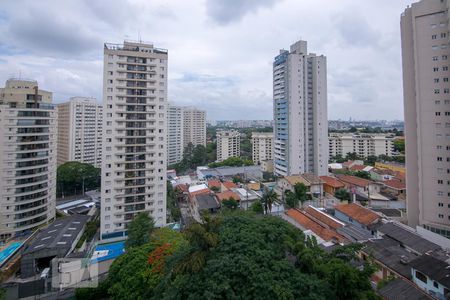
268,198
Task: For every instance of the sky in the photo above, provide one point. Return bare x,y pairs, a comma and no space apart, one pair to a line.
220,51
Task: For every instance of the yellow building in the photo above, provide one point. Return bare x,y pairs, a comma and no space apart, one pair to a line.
391,166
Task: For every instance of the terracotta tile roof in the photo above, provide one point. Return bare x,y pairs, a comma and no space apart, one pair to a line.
256,186
182,188
215,183
227,195
331,181
400,175
358,213
323,217
357,167
229,185
311,178
308,223
353,180
295,179
395,184
347,163
202,191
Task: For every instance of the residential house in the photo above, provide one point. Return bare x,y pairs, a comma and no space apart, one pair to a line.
395,188
227,186
432,275
227,195
331,184
357,215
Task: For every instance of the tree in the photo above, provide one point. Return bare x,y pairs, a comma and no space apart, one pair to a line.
342,194
75,178
352,156
257,207
300,191
139,230
399,145
237,179
171,203
230,203
268,198
371,160
291,199
362,174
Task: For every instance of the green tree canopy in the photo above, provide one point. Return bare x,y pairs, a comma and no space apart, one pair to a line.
342,194
73,176
139,230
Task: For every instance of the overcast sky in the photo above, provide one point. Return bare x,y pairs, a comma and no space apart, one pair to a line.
220,51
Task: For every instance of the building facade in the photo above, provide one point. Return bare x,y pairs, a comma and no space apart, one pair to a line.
28,130
363,144
426,92
194,127
80,131
174,134
228,144
262,144
300,112
134,146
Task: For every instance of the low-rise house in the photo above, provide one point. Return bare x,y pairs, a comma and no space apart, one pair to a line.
362,188
227,186
431,275
204,202
402,289
227,195
287,182
215,185
395,188
381,174
247,197
311,181
357,215
331,184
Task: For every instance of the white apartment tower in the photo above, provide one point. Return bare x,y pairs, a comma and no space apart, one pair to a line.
80,131
228,144
134,142
194,126
300,112
28,128
426,91
363,144
262,144
174,134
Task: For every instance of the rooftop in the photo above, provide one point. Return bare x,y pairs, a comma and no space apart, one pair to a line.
62,233
331,181
400,289
311,178
395,184
207,201
229,184
389,212
135,46
353,180
359,213
407,238
294,179
227,195
438,270
214,183
323,217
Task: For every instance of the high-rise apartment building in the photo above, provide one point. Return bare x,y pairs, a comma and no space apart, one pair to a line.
300,112
194,126
426,92
363,144
228,144
174,134
262,144
80,131
134,144
27,157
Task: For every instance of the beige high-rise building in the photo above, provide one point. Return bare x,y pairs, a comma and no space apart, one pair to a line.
80,131
228,144
194,128
28,129
426,89
363,144
262,145
174,134
134,150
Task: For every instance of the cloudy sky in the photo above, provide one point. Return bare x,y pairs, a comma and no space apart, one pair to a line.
220,51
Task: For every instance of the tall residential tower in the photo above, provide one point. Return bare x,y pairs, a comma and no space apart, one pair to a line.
27,157
426,92
174,134
300,112
80,131
194,126
134,140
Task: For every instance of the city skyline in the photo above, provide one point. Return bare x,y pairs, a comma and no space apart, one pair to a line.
225,56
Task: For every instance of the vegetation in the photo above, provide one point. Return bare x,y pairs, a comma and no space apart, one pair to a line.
211,152
267,200
230,203
298,196
342,194
362,174
193,156
172,206
231,162
399,145
89,232
139,230
370,160
257,207
237,255
73,176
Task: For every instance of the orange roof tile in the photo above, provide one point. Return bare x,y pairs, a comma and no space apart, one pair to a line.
395,184
229,185
358,167
182,188
227,195
308,223
323,217
214,183
353,180
202,191
359,213
331,181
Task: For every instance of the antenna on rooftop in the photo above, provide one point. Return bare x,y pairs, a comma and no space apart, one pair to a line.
139,36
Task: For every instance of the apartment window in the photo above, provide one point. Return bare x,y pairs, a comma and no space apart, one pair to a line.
436,91
435,47
436,80
445,79
440,181
445,68
434,36
447,113
439,147
439,158
440,193
435,58
441,204
444,57
443,35
436,69
438,113
441,216
437,102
